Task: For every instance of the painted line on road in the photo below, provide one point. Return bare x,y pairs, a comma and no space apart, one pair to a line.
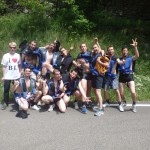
138,105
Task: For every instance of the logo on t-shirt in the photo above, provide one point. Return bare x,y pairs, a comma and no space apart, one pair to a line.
14,60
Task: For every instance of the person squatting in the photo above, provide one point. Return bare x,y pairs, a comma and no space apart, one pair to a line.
50,76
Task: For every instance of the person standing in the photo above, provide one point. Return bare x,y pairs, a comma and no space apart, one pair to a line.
111,79
126,73
98,68
11,68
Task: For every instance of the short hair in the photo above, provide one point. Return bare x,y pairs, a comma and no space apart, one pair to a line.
124,47
33,42
75,70
12,44
110,46
56,70
27,67
82,44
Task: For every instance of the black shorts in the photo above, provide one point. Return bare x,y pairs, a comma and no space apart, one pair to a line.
87,76
125,78
97,81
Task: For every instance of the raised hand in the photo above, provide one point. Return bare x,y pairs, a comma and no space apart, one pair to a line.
96,40
134,43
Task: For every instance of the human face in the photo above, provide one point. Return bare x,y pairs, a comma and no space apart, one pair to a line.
83,48
125,52
27,72
12,49
51,47
111,50
32,46
96,49
63,51
73,75
57,75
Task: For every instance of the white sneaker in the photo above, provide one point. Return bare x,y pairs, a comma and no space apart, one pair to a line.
134,108
124,104
95,108
106,104
51,107
99,113
35,107
76,106
121,109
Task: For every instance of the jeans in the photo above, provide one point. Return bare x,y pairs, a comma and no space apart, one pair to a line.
6,91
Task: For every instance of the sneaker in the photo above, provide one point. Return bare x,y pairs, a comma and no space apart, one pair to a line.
107,103
134,108
95,108
90,104
121,108
99,113
84,110
35,107
76,106
22,114
4,106
51,107
124,104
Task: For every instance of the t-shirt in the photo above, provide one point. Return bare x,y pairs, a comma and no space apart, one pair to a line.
11,61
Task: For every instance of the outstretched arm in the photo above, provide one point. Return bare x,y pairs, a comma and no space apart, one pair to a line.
97,43
136,52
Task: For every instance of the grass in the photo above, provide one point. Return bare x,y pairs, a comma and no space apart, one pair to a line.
10,31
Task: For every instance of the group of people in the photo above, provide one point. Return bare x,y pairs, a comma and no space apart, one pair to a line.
49,76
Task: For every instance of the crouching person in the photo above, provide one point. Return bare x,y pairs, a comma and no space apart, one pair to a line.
25,93
53,92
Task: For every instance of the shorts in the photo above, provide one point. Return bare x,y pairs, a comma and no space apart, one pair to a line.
28,97
111,83
87,76
97,81
125,78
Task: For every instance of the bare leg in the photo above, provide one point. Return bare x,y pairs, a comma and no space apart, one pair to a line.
61,105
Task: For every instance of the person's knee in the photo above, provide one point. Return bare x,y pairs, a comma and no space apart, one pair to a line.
25,107
133,93
39,93
44,64
43,99
63,110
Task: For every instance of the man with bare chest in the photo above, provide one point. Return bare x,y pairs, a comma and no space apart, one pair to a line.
48,64
25,93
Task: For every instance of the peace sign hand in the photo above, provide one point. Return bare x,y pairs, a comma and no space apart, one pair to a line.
96,40
134,44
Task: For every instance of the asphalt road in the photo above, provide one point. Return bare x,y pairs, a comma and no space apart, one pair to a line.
75,131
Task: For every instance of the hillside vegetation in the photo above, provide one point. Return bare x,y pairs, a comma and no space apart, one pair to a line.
72,25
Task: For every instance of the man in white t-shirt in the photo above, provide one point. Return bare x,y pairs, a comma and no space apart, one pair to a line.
11,68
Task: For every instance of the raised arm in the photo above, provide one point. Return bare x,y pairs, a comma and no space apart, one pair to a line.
136,52
96,42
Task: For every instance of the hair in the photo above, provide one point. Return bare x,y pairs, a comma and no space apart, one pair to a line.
109,46
12,44
32,41
75,70
124,47
56,70
82,44
27,68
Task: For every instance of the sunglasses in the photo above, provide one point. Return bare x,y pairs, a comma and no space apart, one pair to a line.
12,47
